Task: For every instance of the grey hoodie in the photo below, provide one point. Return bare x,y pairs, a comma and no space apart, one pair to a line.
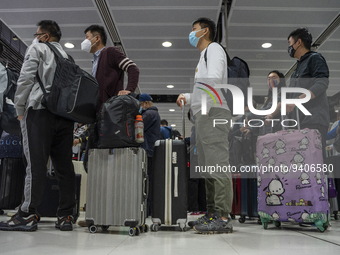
39,58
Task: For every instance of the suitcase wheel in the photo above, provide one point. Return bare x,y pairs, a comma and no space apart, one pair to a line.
242,219
135,231
182,227
265,225
154,227
322,227
144,228
93,229
277,224
105,228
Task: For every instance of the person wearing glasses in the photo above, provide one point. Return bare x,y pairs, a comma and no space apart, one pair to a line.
44,135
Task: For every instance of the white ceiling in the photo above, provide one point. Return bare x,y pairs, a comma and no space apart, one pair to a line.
144,24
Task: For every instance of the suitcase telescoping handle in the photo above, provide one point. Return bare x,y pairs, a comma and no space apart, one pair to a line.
183,119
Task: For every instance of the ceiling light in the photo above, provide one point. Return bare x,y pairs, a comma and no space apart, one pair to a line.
172,110
170,86
69,45
173,125
266,45
167,44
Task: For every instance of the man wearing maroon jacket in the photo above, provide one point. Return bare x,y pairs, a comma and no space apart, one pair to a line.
109,65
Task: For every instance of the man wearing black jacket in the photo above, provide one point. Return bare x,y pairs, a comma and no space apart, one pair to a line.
311,73
152,122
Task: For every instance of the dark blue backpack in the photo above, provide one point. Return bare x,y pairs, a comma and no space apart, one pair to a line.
238,75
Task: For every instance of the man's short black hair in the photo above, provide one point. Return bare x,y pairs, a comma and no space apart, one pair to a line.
303,34
206,22
97,29
51,27
164,122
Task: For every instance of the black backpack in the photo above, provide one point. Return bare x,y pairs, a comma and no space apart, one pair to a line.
115,125
74,92
238,75
8,120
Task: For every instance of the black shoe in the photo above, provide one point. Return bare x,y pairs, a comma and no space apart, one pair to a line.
200,220
65,223
18,223
215,226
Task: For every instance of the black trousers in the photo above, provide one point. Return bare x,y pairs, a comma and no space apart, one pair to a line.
47,135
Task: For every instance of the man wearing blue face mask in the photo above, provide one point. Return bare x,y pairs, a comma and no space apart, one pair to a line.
211,141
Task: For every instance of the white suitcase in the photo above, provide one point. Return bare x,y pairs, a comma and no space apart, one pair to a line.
116,189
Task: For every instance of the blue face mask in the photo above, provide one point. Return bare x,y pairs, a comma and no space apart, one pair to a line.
275,82
193,39
140,109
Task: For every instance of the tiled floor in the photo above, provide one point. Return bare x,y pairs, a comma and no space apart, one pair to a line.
247,238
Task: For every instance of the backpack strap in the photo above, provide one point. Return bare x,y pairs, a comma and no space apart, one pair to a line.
206,54
58,55
54,49
41,85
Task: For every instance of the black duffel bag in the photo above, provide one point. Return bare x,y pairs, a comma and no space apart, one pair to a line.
74,92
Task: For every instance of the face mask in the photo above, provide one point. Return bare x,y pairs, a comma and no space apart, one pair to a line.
276,83
140,109
291,51
35,40
273,82
193,39
86,45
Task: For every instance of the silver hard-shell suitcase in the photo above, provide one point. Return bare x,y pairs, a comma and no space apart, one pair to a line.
116,189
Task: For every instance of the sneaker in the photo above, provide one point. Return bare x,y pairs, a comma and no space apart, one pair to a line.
215,226
200,220
18,223
65,223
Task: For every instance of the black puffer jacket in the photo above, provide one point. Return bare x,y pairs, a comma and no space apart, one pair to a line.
312,73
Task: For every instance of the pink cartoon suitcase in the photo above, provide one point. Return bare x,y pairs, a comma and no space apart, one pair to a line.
292,181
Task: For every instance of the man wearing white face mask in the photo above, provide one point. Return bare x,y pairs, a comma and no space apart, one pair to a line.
211,142
44,135
109,65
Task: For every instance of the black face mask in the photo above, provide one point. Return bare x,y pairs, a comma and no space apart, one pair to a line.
291,51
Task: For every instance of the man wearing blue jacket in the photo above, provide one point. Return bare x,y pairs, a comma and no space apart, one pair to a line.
151,121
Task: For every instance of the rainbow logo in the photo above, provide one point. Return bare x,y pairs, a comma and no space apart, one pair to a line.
209,93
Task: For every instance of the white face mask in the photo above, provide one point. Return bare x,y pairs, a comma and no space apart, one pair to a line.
86,45
35,40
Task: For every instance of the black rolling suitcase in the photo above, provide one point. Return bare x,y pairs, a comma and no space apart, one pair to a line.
12,172
170,183
12,176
